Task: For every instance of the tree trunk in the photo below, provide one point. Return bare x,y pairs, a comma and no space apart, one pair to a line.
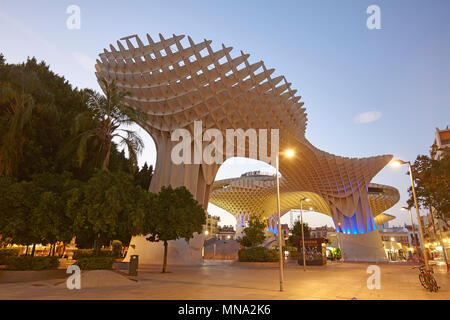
106,160
50,250
61,255
53,250
34,249
97,245
165,257
26,251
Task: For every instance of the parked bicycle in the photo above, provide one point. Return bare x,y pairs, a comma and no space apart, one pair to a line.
426,278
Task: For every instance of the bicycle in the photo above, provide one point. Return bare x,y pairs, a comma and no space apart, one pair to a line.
426,278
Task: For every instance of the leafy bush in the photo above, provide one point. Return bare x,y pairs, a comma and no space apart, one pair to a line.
31,263
95,263
258,254
18,263
83,253
116,248
4,253
45,263
86,253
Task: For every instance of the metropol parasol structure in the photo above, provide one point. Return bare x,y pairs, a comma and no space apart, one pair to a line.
177,81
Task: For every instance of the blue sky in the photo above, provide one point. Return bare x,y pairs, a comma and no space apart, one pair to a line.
342,69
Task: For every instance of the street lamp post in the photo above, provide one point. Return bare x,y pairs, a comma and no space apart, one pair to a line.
303,235
398,163
280,243
288,153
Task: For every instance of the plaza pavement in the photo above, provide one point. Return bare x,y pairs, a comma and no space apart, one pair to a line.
241,281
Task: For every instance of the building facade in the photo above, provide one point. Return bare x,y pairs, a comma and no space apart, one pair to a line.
400,243
441,141
212,226
226,233
321,232
437,237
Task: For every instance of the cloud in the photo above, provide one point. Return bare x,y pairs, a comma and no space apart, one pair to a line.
367,117
84,61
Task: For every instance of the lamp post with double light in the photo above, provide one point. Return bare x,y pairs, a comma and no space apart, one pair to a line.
289,154
397,163
303,234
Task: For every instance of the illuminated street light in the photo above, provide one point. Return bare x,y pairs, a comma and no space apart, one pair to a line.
397,163
289,153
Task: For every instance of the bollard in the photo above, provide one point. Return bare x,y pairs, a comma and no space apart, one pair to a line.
133,266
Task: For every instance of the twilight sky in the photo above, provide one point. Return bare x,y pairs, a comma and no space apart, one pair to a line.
367,92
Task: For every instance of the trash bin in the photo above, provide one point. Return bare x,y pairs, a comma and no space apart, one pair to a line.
134,262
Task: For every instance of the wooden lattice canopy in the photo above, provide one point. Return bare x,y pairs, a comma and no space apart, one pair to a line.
177,82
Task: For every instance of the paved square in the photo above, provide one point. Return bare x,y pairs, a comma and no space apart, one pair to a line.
238,281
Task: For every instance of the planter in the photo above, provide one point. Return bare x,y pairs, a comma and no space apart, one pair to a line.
7,276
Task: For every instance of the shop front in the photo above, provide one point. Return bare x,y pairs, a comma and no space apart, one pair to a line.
315,251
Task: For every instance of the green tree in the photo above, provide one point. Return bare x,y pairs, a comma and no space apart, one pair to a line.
105,121
49,216
296,232
33,212
171,214
432,184
36,136
49,137
17,115
102,209
43,201
16,206
254,234
143,176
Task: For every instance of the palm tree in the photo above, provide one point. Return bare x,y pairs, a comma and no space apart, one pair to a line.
18,111
105,121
